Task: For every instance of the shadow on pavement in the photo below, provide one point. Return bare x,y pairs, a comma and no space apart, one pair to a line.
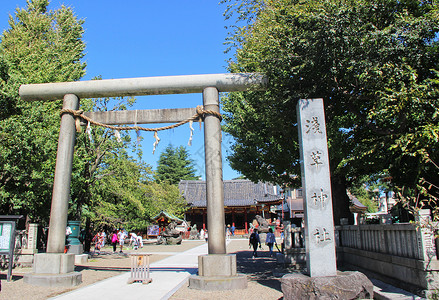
262,269
97,268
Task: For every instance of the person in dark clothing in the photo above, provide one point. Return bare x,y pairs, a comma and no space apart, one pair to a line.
254,241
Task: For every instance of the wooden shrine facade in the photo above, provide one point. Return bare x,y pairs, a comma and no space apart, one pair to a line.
243,200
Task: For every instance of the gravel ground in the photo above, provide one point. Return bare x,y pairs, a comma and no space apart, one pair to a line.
263,274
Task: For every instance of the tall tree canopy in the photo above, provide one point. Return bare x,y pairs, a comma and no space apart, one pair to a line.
109,187
40,46
375,64
174,164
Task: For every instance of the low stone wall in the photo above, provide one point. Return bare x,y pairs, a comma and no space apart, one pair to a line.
402,255
413,275
399,254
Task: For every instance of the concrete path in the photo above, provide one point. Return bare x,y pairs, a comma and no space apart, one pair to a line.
384,291
171,273
168,275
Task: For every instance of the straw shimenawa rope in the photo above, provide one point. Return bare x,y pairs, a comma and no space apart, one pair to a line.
198,116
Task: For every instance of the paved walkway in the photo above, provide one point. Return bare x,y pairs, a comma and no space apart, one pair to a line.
168,275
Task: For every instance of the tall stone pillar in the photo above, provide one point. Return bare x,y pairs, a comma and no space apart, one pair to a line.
55,268
63,176
323,281
217,270
214,174
316,183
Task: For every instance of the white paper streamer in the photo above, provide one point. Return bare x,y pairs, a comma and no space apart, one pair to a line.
192,133
137,131
117,135
88,130
157,140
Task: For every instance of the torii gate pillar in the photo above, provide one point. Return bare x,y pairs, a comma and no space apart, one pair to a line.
56,268
217,270
214,174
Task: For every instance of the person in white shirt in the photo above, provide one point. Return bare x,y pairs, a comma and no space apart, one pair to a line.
270,240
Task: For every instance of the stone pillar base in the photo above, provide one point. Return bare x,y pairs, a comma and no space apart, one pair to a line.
54,269
217,272
223,283
81,259
75,249
54,280
29,251
26,260
346,285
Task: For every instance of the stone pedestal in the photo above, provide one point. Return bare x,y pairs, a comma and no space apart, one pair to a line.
75,249
81,259
54,269
345,285
26,257
217,272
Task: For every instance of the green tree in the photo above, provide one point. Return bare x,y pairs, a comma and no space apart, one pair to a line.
129,198
174,164
110,188
40,46
95,149
375,65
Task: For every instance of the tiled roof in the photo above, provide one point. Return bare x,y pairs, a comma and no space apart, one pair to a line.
356,205
166,215
236,192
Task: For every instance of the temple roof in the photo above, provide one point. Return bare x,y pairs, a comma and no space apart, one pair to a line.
236,193
167,216
356,206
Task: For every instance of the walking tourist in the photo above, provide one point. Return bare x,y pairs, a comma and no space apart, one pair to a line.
104,238
121,235
134,240
254,240
140,239
97,239
114,240
270,241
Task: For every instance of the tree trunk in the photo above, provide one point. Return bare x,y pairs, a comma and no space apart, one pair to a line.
87,239
340,201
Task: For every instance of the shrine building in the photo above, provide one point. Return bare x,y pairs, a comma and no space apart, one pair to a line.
243,200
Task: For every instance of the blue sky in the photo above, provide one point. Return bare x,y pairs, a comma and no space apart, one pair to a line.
142,38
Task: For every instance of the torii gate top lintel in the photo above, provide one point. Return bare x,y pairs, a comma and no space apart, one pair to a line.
160,85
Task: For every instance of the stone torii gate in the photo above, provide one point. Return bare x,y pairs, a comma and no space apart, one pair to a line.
56,268
217,270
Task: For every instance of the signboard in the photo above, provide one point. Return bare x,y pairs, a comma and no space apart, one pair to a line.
5,237
153,230
7,243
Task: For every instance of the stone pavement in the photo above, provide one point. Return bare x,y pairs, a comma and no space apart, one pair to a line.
168,275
